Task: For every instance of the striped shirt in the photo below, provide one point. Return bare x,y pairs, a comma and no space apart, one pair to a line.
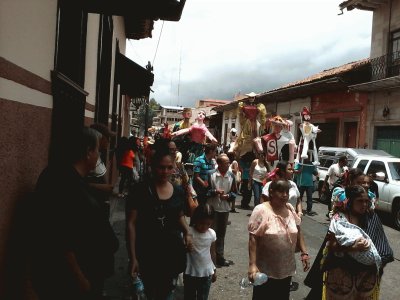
204,167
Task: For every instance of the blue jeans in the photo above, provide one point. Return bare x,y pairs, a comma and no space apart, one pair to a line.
257,190
309,191
196,288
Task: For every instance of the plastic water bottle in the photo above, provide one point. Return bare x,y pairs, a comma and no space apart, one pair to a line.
138,288
259,279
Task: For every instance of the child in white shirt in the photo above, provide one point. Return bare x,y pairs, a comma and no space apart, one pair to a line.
200,267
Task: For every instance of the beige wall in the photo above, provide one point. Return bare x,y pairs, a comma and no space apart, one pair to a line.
91,58
380,27
27,34
293,107
376,104
229,117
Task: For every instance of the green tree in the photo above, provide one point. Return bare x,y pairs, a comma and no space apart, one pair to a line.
154,106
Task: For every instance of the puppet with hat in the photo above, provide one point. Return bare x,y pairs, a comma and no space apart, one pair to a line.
251,117
309,134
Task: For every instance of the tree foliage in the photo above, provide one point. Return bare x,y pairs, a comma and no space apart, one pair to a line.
154,106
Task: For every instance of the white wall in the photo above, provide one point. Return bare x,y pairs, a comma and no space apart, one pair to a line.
91,57
27,34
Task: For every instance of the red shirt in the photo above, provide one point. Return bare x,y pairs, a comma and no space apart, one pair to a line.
127,159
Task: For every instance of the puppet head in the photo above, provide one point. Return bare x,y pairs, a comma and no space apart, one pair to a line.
277,123
305,114
187,113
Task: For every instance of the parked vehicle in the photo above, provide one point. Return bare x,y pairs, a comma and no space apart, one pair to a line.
385,168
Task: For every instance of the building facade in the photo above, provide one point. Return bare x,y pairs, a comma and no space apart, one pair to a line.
383,86
62,66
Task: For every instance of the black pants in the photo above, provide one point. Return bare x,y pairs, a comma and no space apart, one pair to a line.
219,225
126,176
276,289
246,193
328,198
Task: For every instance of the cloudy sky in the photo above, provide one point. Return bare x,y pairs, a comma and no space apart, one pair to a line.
223,47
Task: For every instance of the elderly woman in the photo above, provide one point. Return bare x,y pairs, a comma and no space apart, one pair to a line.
356,250
155,224
274,232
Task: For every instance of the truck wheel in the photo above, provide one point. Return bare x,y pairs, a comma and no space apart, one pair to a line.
396,213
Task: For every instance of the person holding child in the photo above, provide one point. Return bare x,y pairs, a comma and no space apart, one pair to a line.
356,250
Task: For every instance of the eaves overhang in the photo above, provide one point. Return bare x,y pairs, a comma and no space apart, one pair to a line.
134,80
369,5
139,15
377,85
304,90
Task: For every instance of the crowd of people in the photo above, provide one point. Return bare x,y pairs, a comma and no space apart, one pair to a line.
179,195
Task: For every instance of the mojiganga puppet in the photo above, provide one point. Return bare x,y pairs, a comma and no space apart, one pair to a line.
280,143
198,133
309,134
251,116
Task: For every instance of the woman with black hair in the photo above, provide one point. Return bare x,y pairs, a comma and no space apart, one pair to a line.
284,170
356,250
155,226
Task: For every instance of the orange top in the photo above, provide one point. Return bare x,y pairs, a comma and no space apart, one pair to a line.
128,159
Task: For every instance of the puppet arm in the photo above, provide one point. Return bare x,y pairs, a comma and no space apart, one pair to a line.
210,136
180,132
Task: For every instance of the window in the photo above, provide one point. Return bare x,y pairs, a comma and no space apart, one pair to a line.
394,56
394,168
362,164
376,167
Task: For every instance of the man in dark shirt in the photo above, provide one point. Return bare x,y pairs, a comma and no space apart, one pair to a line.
71,238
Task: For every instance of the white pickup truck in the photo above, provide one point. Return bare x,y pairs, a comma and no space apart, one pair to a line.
387,172
384,166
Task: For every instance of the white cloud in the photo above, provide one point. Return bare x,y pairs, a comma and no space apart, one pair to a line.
221,47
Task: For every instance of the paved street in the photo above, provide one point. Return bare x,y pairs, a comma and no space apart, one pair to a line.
227,284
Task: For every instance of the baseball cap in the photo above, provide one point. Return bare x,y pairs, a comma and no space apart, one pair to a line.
234,130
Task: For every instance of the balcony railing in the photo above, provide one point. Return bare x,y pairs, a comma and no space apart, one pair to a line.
385,66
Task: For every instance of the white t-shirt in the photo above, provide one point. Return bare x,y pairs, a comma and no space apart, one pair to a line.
293,191
199,262
335,172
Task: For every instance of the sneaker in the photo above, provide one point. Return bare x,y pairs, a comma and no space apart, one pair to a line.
233,211
311,213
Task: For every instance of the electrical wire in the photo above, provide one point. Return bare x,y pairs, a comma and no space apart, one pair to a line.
159,38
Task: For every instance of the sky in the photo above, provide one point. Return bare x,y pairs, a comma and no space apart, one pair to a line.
220,48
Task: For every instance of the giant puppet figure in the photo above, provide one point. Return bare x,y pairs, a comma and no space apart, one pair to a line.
248,117
274,144
198,133
185,123
183,142
309,133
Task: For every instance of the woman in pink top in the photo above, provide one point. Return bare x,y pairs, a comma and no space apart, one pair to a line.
198,131
274,229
